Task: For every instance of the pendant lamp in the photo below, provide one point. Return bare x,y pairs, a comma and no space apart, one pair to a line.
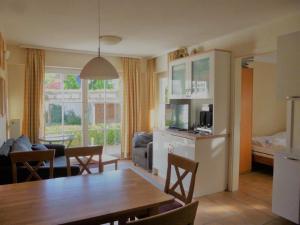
99,68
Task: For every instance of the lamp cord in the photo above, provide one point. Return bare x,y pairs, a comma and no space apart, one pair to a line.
99,28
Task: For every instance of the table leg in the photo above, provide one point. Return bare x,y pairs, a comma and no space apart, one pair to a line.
101,168
116,165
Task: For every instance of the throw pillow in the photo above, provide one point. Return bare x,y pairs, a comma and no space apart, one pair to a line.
6,147
38,147
24,140
142,139
20,147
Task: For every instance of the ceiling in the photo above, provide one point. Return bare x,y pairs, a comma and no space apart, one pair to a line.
147,27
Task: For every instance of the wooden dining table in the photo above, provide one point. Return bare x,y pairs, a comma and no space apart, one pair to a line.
88,199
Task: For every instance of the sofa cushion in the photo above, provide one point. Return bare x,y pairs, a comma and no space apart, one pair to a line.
25,140
38,147
142,139
21,144
6,147
20,147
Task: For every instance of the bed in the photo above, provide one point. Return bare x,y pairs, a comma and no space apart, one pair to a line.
264,147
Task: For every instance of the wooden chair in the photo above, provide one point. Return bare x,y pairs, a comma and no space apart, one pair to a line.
181,216
89,151
32,156
189,167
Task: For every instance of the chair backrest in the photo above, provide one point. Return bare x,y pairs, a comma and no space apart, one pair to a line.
182,216
80,152
32,156
188,166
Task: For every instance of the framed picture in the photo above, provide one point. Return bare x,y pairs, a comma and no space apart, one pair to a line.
2,97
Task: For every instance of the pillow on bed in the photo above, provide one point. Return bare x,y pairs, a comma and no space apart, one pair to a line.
278,139
262,141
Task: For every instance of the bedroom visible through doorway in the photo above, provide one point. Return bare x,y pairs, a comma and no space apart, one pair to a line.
263,115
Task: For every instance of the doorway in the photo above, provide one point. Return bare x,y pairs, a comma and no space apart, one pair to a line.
262,115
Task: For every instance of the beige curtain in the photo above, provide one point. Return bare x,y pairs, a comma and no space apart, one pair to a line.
153,93
3,98
33,94
139,100
180,53
2,52
131,98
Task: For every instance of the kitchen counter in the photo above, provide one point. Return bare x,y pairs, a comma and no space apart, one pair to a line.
189,135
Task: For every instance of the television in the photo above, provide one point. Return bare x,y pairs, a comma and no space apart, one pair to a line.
177,116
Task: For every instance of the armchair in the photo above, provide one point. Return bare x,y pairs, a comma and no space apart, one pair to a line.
142,150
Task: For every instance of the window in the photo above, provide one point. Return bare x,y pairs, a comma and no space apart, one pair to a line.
104,114
88,110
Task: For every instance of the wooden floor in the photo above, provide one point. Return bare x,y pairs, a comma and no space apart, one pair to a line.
251,205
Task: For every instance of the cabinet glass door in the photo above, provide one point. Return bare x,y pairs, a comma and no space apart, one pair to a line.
200,78
178,79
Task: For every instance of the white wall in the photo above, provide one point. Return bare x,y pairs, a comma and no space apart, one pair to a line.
254,40
269,112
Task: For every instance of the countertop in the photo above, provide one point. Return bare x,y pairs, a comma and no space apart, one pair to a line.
189,135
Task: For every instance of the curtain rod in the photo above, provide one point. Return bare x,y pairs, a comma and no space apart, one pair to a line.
78,51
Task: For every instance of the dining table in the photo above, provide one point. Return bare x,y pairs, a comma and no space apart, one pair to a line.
88,199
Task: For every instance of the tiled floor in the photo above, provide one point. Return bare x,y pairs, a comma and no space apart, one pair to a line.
251,205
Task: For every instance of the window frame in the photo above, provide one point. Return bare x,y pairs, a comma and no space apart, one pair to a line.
84,101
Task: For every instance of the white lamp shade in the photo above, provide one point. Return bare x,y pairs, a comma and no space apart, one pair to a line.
99,68
288,65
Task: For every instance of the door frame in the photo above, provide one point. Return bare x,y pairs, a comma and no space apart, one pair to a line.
235,120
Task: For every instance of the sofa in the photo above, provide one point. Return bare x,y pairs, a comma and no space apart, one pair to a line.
22,143
142,150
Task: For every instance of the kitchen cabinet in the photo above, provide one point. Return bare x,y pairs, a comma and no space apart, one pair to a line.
210,152
194,77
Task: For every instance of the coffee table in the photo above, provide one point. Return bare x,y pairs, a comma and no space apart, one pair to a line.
61,138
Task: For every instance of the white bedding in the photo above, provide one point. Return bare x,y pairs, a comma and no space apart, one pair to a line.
268,145
278,139
266,151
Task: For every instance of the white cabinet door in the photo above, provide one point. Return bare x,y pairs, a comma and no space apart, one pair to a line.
286,188
178,79
183,147
186,148
201,76
161,145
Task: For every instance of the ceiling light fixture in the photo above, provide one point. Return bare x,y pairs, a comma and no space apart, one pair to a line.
110,39
99,68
